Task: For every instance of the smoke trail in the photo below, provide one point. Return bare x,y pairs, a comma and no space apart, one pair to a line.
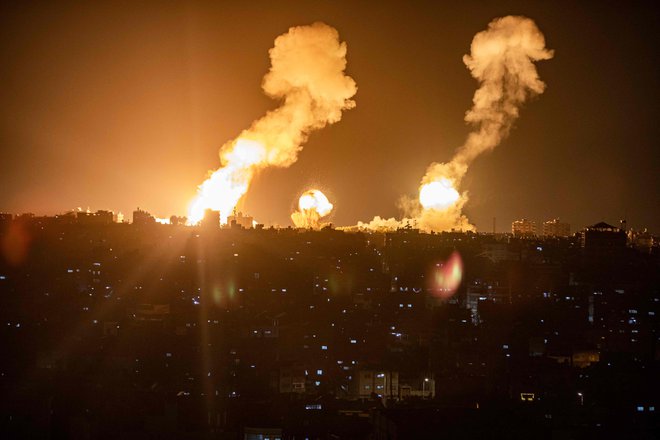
307,74
502,60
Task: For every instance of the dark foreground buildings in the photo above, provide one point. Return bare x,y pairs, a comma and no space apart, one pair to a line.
117,331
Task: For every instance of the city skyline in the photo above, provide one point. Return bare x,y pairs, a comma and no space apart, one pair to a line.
329,220
114,116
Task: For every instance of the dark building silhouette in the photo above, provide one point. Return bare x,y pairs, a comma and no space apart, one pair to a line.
211,219
602,239
113,330
142,218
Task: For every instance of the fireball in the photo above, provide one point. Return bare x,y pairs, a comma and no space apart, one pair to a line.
439,194
315,200
312,206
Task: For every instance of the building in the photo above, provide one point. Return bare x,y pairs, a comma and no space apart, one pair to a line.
603,239
95,218
238,220
524,227
365,383
641,240
497,252
141,217
424,388
555,228
481,291
211,219
292,380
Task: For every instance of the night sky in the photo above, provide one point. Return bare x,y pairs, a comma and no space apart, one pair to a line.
118,105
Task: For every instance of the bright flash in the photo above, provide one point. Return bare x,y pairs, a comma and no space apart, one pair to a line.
312,206
439,194
315,200
225,187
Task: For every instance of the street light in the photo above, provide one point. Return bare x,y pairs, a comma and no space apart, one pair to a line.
581,396
426,379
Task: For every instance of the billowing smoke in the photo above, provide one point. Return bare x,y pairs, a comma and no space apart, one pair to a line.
307,75
502,60
313,206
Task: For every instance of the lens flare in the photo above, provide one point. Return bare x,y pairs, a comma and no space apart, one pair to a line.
447,276
439,194
312,206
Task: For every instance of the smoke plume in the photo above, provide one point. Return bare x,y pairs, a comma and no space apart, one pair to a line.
307,75
502,60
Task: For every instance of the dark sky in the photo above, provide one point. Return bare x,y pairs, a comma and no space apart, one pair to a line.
119,105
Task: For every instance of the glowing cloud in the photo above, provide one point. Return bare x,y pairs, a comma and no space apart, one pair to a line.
502,60
313,205
307,75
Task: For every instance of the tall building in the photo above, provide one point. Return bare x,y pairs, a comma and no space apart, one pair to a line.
603,239
523,227
555,228
211,219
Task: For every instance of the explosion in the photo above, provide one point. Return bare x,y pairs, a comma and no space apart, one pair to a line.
313,205
307,75
502,61
438,194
